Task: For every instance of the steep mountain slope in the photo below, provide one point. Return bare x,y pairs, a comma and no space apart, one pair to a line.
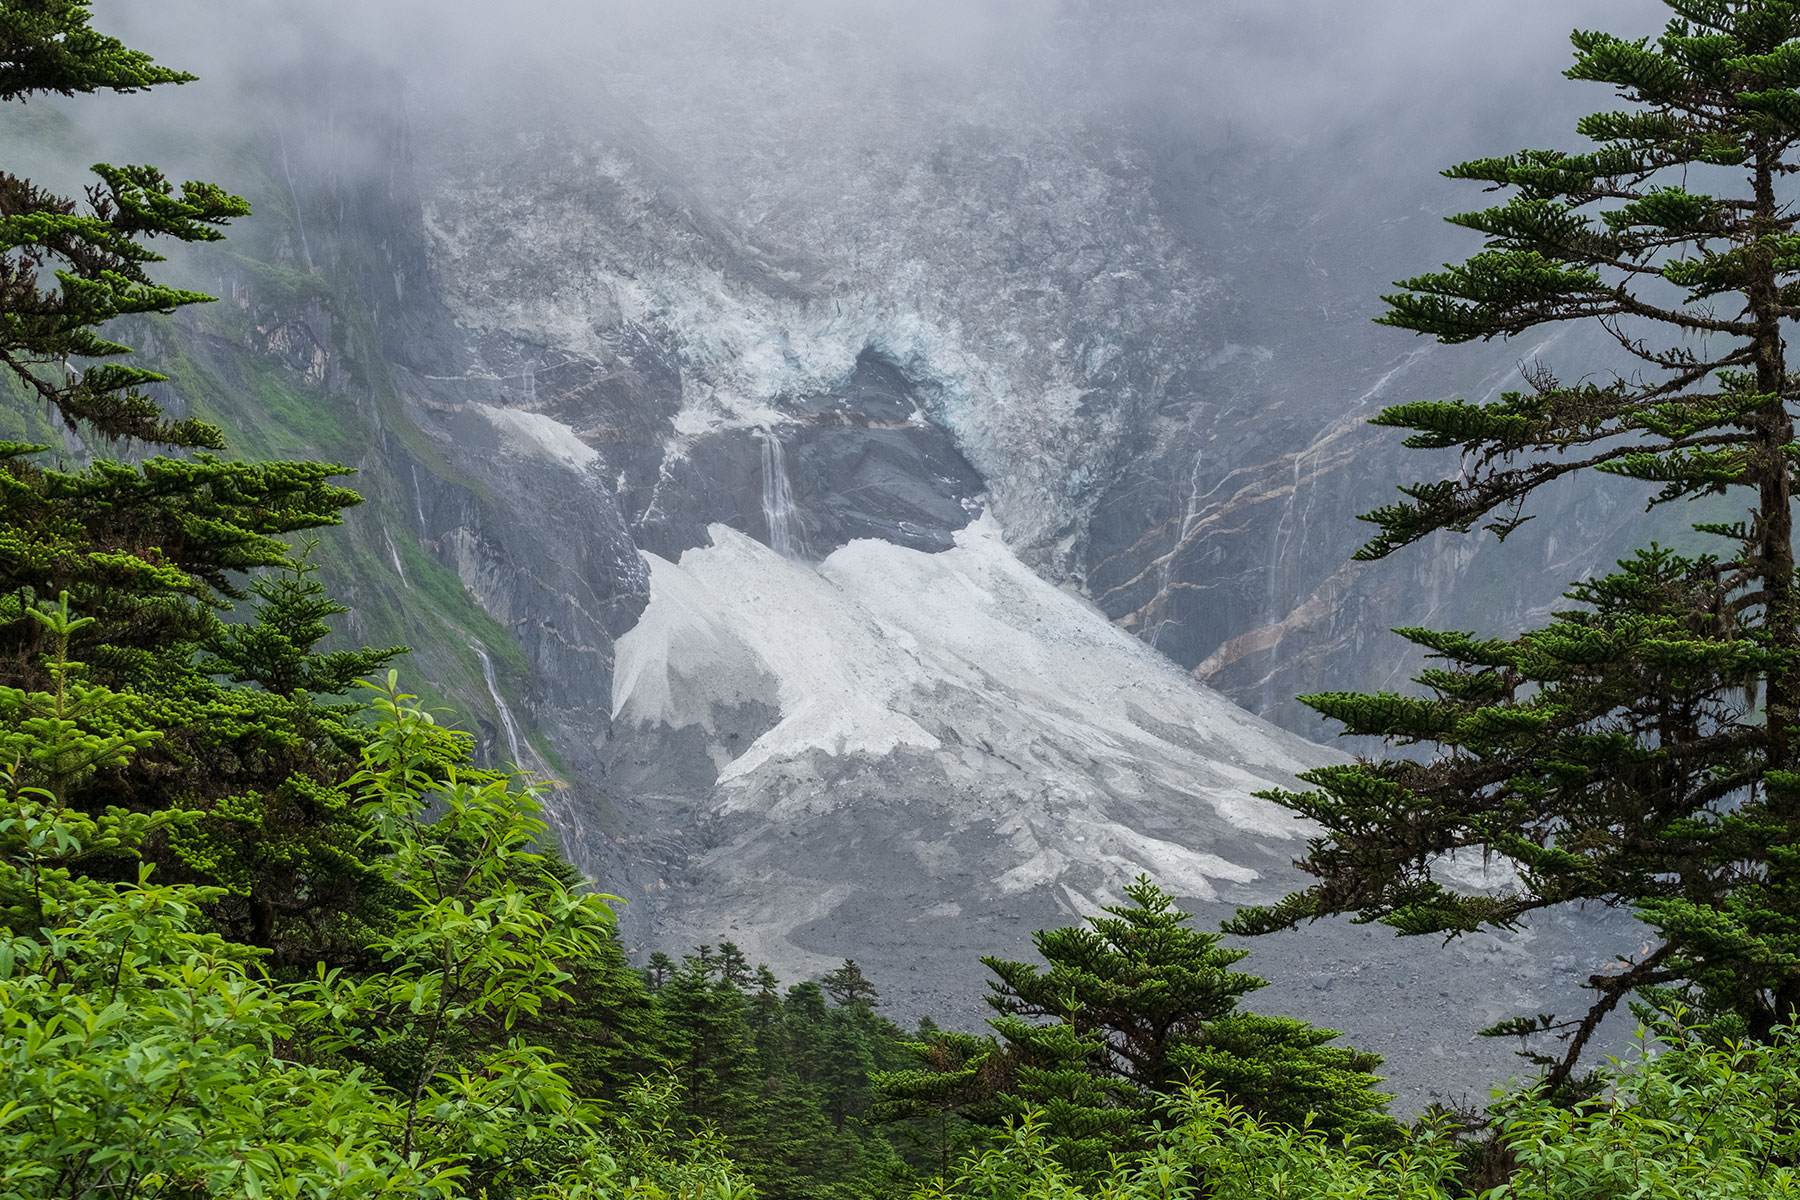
838,514
1136,282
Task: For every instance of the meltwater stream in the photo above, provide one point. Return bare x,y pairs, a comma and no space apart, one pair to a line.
507,724
778,497
564,817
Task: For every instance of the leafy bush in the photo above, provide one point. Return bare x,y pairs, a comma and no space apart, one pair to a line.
142,1054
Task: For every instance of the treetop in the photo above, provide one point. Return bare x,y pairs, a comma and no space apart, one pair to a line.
48,46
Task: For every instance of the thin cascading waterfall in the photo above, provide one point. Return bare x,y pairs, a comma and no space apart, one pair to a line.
564,817
294,197
419,504
1165,570
1292,530
1285,566
1283,540
778,497
1296,515
394,552
507,724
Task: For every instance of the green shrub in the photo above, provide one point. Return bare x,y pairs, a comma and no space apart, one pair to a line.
144,1055
1688,1120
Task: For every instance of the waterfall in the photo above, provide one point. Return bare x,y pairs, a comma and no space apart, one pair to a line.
1165,569
778,497
294,196
394,551
560,810
563,815
507,724
419,504
1282,539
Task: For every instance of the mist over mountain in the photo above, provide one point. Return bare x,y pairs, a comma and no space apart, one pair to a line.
866,450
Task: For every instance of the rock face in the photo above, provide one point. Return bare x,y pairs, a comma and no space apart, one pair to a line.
858,713
863,539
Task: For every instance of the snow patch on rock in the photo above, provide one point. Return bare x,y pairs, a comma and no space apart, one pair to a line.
974,679
540,434
681,637
837,687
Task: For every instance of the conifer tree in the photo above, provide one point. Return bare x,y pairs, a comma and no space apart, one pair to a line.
151,551
145,551
848,985
1642,749
801,1150
939,1095
1133,1006
706,1019
659,971
142,1055
97,256
607,1032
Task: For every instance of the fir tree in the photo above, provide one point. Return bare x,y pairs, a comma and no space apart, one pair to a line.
706,1019
1641,750
1133,1006
660,970
784,1078
278,650
142,1055
848,985
607,1031
938,1098
97,257
766,1012
802,1150
1157,1002
152,551
733,967
145,551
